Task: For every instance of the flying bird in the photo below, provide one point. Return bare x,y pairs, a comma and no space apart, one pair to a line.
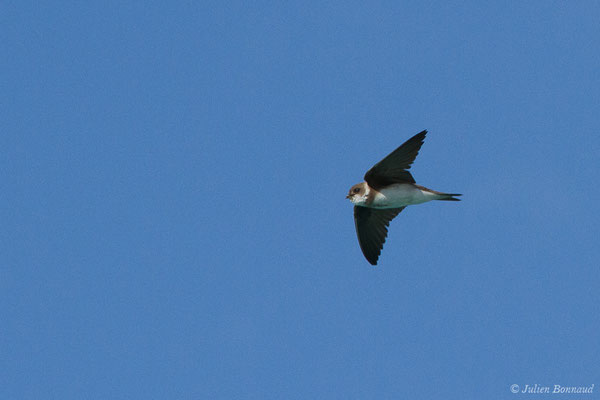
387,190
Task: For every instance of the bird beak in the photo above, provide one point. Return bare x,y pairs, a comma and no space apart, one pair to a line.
348,196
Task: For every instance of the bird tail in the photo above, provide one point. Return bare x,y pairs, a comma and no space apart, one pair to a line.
449,196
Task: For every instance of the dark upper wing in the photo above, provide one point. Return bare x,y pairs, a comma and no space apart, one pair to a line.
371,229
393,168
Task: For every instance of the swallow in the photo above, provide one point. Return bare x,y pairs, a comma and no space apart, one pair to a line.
387,190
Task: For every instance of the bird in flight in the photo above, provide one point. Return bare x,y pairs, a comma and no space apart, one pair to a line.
387,190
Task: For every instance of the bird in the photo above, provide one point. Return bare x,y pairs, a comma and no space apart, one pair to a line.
388,188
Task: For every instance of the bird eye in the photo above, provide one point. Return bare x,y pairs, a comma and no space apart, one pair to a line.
356,190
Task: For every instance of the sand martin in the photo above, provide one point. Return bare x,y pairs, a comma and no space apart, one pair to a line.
388,189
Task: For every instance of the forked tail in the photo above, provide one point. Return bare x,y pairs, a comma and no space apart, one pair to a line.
449,196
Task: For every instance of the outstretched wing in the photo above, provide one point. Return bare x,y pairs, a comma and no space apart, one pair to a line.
393,168
371,229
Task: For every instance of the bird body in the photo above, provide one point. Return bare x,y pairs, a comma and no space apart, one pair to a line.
387,190
397,195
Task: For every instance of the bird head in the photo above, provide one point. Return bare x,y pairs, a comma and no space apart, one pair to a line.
358,193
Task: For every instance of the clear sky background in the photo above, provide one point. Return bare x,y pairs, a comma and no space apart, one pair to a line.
172,199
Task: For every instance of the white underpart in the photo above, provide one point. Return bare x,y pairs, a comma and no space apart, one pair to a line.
400,195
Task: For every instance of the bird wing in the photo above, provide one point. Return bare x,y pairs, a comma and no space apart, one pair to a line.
371,229
393,168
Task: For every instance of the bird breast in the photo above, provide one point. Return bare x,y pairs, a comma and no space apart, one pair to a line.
399,195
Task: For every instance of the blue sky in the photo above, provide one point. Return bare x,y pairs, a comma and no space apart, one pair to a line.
174,221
